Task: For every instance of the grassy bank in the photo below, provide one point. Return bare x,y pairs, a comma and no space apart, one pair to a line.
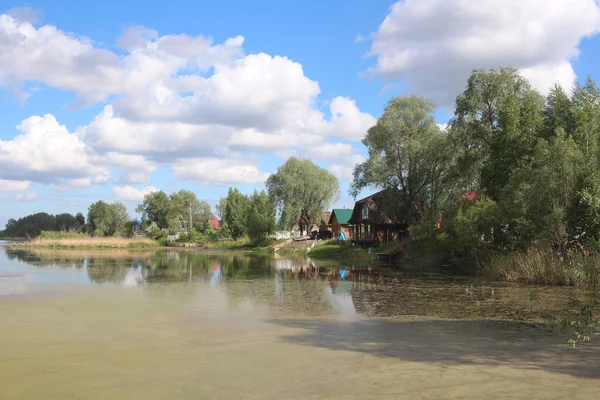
339,253
243,244
545,267
82,241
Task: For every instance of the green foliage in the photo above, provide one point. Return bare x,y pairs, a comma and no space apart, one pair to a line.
300,191
191,212
533,164
108,219
235,216
32,225
179,212
156,207
407,152
62,235
497,122
261,217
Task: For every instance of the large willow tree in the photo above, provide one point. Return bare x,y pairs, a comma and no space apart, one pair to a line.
301,191
408,152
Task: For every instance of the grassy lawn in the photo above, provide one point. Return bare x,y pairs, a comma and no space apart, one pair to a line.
339,253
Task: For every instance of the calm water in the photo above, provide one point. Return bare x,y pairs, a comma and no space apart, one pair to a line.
187,324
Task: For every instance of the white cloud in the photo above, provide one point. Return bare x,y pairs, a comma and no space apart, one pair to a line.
73,63
13,186
347,121
329,151
130,193
219,171
203,109
28,196
26,14
134,168
344,170
45,151
433,45
82,183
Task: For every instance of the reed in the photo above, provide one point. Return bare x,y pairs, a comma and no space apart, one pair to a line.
84,241
544,266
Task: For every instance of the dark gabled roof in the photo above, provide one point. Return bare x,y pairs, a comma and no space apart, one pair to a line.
343,215
386,207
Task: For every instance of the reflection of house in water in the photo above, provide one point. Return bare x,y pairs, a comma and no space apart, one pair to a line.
215,276
133,277
340,294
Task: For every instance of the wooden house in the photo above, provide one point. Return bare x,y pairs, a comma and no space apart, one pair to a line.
340,217
380,218
325,226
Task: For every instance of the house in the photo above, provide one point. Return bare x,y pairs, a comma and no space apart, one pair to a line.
339,222
214,221
325,226
380,218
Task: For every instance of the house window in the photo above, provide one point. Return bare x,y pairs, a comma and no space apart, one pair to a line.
365,212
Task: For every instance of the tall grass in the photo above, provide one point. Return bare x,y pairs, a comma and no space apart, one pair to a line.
543,265
79,240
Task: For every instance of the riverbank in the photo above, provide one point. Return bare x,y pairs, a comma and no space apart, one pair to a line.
87,242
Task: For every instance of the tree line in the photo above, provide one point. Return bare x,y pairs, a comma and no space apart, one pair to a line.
513,169
295,195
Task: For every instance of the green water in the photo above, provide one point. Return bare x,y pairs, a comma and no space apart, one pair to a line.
187,324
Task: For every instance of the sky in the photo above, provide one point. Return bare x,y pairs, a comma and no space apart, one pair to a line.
112,100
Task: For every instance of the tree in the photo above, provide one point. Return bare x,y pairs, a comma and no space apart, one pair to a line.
156,207
558,114
201,220
221,207
300,191
186,204
80,219
107,219
236,213
496,126
586,113
32,225
408,153
261,216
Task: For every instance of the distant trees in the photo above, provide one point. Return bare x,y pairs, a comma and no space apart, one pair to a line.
108,219
235,216
243,215
32,225
181,211
300,191
261,216
156,208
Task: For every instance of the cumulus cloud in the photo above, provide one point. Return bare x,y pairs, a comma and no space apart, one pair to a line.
329,152
433,45
219,171
344,169
185,102
26,14
26,197
13,186
45,151
130,193
66,61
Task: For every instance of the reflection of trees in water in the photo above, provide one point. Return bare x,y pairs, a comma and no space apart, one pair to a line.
297,285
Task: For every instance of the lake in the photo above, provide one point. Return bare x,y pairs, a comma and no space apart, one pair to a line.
187,324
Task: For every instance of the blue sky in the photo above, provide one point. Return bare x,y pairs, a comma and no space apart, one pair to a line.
113,110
